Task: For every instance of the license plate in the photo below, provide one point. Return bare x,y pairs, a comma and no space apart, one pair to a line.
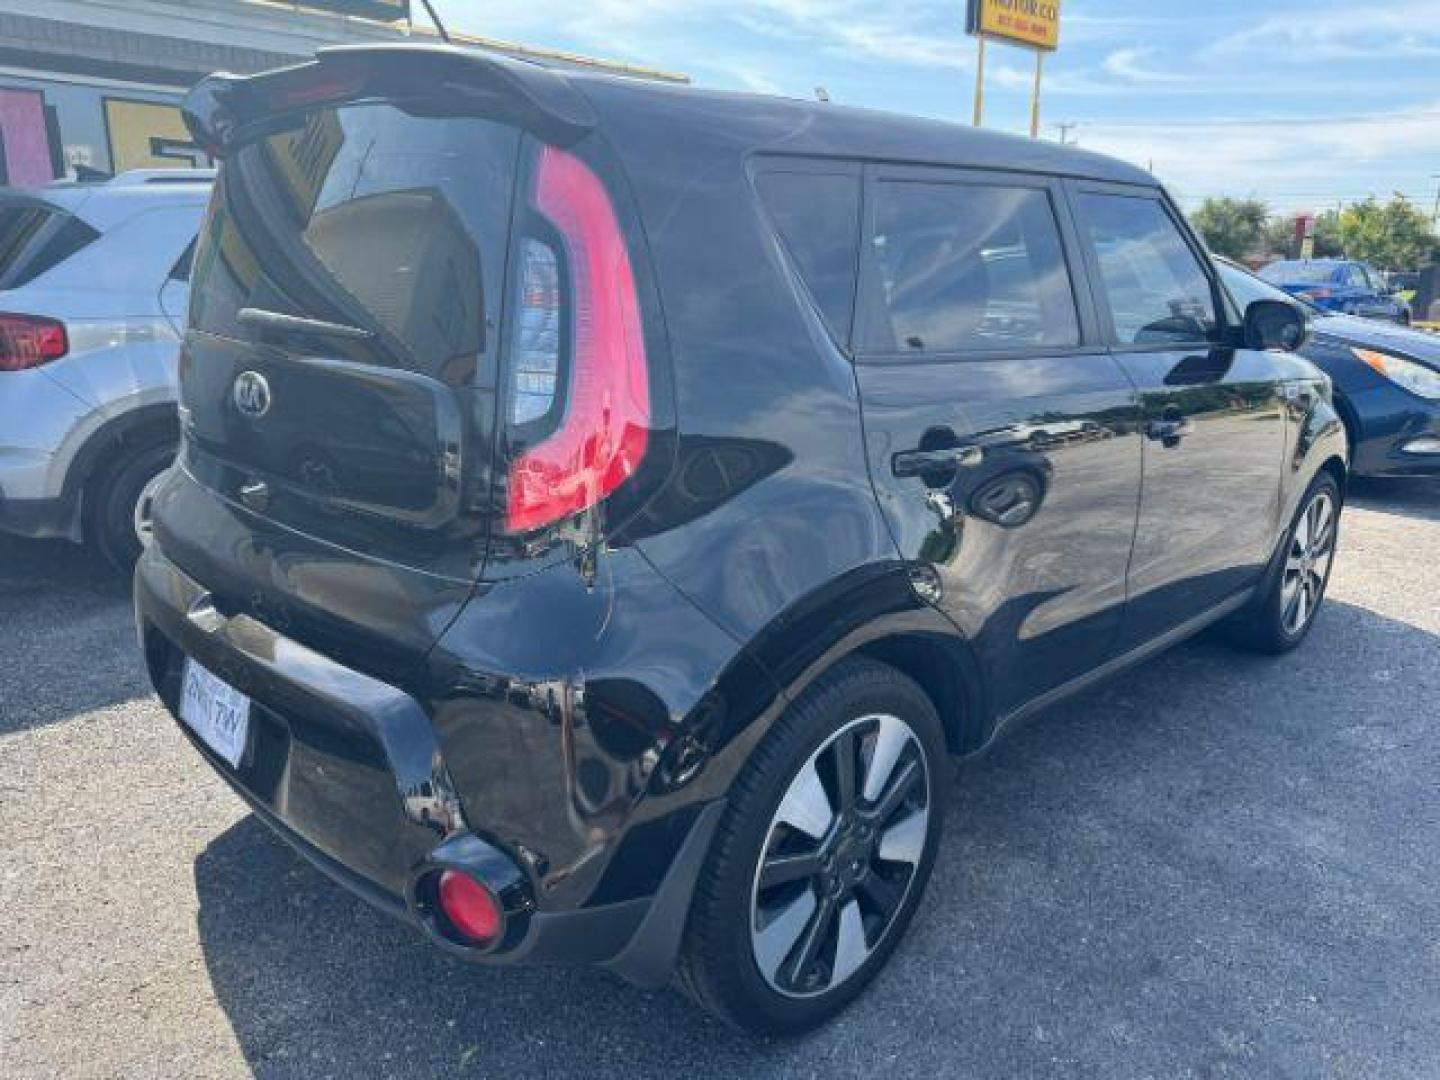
215,711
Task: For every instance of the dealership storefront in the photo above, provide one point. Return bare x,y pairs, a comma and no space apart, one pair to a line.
96,84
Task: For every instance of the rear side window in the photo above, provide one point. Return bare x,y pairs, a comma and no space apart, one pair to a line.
817,215
1156,289
36,237
968,268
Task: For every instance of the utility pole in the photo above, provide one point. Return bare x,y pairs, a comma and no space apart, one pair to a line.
1435,216
1065,127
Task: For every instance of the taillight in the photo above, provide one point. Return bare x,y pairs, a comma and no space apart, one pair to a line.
601,437
27,341
1317,294
535,353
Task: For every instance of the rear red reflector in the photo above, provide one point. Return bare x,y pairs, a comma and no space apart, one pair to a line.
27,341
470,908
603,434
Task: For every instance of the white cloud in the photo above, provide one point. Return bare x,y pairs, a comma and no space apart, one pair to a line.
1132,65
756,82
1292,164
1347,32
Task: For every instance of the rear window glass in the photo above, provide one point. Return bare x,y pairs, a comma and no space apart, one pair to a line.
969,268
36,237
818,218
1299,273
368,216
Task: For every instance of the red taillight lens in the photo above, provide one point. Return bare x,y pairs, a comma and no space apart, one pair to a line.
1317,294
603,434
27,341
471,908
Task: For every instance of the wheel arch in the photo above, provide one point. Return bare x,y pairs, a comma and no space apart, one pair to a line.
873,611
138,428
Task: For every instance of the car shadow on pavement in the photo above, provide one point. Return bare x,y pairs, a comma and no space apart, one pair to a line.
1198,868
69,634
1411,497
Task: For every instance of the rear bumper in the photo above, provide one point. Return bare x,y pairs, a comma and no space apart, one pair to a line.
348,771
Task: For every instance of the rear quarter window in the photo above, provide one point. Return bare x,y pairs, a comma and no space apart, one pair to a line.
36,237
817,216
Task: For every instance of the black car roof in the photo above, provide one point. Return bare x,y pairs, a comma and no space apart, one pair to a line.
773,124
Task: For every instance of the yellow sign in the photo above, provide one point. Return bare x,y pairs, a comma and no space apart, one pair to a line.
1034,24
149,135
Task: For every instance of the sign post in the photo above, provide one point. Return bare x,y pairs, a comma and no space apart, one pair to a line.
1305,233
980,84
1030,24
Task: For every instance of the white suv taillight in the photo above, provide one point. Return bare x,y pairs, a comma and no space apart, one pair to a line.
578,303
27,341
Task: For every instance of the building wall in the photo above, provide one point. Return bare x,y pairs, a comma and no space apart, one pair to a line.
87,122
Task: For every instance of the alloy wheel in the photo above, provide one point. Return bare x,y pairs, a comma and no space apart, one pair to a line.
840,855
1308,564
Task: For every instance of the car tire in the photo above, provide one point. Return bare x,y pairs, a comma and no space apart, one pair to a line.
114,510
1284,611
805,892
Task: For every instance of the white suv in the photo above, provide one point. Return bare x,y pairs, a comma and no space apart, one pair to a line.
94,282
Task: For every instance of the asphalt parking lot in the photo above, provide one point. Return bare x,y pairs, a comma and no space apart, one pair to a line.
1216,865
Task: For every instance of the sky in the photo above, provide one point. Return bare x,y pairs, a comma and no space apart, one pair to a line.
1306,104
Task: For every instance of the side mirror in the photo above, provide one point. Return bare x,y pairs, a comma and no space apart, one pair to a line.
1274,324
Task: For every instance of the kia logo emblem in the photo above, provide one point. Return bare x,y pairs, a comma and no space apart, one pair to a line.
251,394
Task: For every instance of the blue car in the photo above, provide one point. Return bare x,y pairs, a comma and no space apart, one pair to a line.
1340,285
1386,380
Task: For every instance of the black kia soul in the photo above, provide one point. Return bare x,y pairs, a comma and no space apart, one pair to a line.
604,505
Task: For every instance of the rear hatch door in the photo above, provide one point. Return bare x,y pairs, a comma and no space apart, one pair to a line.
338,380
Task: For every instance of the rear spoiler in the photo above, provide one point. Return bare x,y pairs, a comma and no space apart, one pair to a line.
463,81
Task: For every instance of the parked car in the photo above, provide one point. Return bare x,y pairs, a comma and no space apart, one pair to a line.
1339,285
1386,380
653,658
93,288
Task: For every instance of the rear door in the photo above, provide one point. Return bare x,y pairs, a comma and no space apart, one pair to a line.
1213,421
1001,432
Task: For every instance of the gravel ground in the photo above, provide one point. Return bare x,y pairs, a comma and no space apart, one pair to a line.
1215,865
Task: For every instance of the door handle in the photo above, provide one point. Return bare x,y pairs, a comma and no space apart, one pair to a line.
1169,431
920,462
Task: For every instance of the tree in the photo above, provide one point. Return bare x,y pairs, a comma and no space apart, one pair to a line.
1232,227
1329,244
1393,236
1279,237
